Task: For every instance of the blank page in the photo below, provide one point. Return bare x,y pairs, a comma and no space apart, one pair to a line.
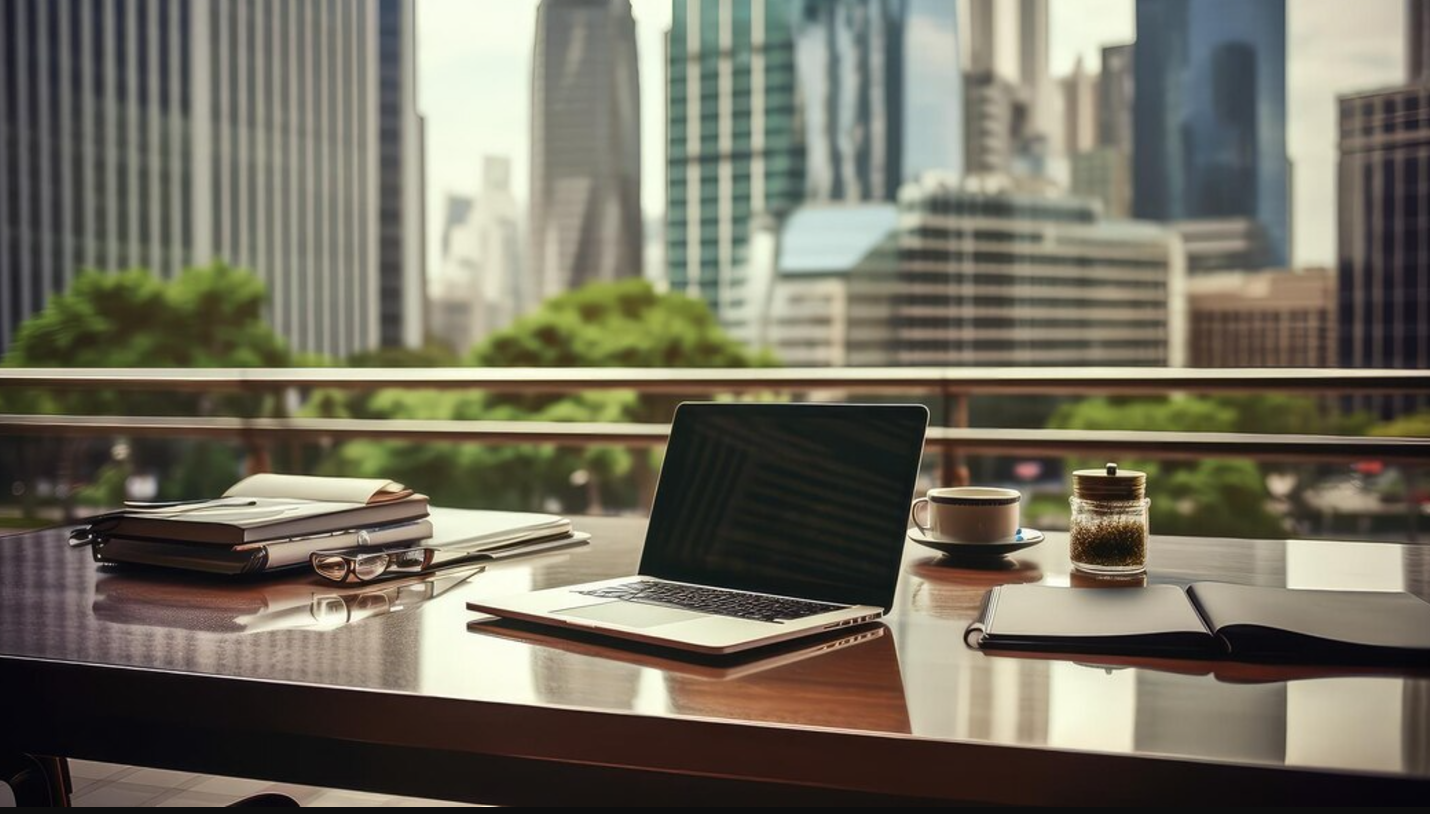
1370,618
1044,612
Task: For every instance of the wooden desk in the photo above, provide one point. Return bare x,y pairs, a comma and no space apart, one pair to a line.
391,692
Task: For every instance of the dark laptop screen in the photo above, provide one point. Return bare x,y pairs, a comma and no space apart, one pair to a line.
800,500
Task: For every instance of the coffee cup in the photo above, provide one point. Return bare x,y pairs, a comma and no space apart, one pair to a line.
969,514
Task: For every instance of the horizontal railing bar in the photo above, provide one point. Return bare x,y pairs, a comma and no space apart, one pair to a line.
1160,445
685,381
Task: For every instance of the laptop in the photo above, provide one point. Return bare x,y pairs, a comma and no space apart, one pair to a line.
771,522
698,666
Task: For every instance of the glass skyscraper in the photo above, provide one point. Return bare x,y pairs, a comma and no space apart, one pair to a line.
776,102
882,93
1210,115
732,146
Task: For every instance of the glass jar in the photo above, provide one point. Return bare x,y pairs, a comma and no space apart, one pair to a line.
1109,529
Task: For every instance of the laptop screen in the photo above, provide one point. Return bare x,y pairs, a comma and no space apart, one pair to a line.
803,500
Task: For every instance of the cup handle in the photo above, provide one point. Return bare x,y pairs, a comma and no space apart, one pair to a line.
914,513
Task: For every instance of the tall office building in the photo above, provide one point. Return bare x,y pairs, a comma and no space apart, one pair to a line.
1115,98
585,218
278,137
1033,62
1417,40
482,287
1383,233
401,140
1210,110
773,102
734,150
1009,128
879,81
1080,110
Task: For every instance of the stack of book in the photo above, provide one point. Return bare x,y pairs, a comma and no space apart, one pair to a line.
263,523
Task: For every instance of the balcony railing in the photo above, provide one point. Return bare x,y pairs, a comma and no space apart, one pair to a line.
948,389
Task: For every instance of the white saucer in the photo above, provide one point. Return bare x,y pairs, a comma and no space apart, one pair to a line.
1025,538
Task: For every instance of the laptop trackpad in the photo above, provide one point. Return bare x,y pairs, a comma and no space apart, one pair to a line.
631,614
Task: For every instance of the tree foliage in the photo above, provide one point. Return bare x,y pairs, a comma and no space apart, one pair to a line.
210,316
621,324
1208,497
1412,425
206,317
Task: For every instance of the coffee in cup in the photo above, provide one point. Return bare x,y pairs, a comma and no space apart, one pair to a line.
969,514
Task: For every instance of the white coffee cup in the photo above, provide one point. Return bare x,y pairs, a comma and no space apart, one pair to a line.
969,514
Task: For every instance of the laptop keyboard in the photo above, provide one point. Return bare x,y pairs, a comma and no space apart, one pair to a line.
738,604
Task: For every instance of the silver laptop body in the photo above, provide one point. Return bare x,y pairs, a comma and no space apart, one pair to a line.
770,522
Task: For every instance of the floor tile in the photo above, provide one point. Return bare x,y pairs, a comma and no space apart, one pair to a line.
117,794
111,784
94,770
236,786
189,797
345,799
162,777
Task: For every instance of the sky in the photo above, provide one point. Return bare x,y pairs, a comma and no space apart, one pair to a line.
474,76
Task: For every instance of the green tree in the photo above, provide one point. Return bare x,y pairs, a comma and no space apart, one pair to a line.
621,324
208,316
1206,498
1412,425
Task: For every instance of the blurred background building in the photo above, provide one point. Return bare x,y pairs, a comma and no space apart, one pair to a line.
1210,116
1275,318
1100,154
1384,218
585,221
482,286
1010,125
279,137
782,102
733,149
956,276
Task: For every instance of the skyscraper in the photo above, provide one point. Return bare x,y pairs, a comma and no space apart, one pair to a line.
482,287
279,137
881,94
874,84
1210,110
1383,236
1080,110
401,269
1009,110
585,221
1417,40
1115,98
733,148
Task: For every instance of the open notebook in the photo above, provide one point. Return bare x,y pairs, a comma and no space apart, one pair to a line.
1208,620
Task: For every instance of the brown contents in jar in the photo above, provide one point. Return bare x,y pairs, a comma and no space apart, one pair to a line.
1111,542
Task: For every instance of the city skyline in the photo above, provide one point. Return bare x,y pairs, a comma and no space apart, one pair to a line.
481,52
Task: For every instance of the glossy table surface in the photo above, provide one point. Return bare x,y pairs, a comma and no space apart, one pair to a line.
147,667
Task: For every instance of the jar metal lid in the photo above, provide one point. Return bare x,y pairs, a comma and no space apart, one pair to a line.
1109,483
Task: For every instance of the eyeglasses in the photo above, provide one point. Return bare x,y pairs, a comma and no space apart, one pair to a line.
366,566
